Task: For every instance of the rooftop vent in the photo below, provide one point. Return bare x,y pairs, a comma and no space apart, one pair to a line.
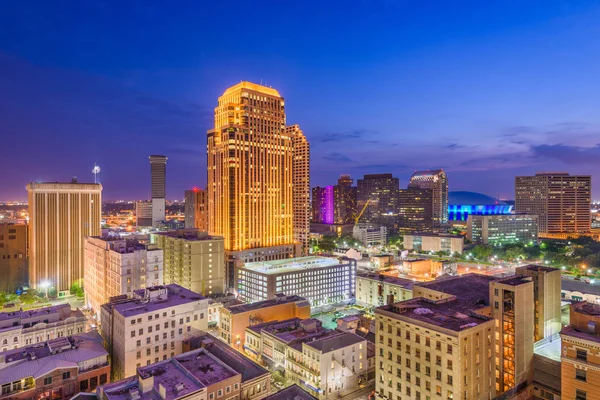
422,311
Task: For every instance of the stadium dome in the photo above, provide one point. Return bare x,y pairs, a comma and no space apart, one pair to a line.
462,204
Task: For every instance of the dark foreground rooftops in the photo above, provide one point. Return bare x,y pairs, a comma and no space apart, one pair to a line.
291,393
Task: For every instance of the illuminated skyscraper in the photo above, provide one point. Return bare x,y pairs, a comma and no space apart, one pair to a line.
334,204
381,193
437,181
61,215
301,184
251,177
561,201
196,215
158,170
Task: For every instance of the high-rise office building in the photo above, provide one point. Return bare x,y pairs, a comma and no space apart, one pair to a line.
502,229
13,257
415,210
561,201
250,176
196,215
143,214
301,184
437,181
334,204
61,215
158,170
193,260
380,191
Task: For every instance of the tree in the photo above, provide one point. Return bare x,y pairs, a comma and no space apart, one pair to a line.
482,252
6,298
29,297
77,290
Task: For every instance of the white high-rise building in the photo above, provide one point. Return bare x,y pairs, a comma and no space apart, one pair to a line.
116,266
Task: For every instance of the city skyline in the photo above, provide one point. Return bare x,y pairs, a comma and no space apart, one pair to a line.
497,92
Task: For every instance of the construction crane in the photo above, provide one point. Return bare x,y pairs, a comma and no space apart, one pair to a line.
357,217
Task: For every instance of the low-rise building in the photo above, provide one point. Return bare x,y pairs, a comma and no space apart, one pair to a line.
24,328
381,261
234,319
369,234
580,361
197,375
194,260
498,230
374,290
117,266
326,363
432,242
151,325
55,369
256,380
291,392
319,280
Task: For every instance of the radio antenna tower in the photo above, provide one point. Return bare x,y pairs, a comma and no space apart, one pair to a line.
96,171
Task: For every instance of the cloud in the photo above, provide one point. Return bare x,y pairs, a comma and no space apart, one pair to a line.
572,155
348,135
454,146
337,158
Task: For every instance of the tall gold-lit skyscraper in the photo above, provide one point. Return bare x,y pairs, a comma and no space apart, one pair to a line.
250,176
301,185
61,215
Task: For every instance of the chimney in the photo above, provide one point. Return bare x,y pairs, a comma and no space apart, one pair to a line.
162,391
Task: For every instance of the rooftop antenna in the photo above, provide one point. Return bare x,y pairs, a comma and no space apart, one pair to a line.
96,171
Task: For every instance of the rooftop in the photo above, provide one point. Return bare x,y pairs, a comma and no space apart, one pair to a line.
336,342
586,308
472,198
514,280
204,366
27,319
291,264
394,280
427,173
570,330
451,313
188,234
152,299
538,268
440,235
293,392
252,86
41,358
470,288
241,308
294,330
241,364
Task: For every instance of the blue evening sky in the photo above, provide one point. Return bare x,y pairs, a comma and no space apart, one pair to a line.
485,89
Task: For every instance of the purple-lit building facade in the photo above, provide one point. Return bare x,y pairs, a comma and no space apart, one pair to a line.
334,204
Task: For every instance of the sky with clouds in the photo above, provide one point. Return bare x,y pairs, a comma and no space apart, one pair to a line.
485,90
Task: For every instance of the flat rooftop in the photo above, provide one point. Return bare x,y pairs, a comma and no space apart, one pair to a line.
452,313
241,308
394,280
294,330
152,299
473,288
293,392
38,359
237,361
514,280
205,367
336,342
188,234
440,235
586,308
539,268
291,265
570,330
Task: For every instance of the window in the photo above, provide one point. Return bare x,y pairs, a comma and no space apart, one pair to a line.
581,354
580,375
83,386
6,389
580,394
103,379
48,380
66,375
93,382
220,393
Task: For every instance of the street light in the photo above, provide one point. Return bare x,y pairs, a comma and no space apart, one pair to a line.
45,285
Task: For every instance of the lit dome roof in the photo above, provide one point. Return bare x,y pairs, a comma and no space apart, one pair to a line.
471,198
